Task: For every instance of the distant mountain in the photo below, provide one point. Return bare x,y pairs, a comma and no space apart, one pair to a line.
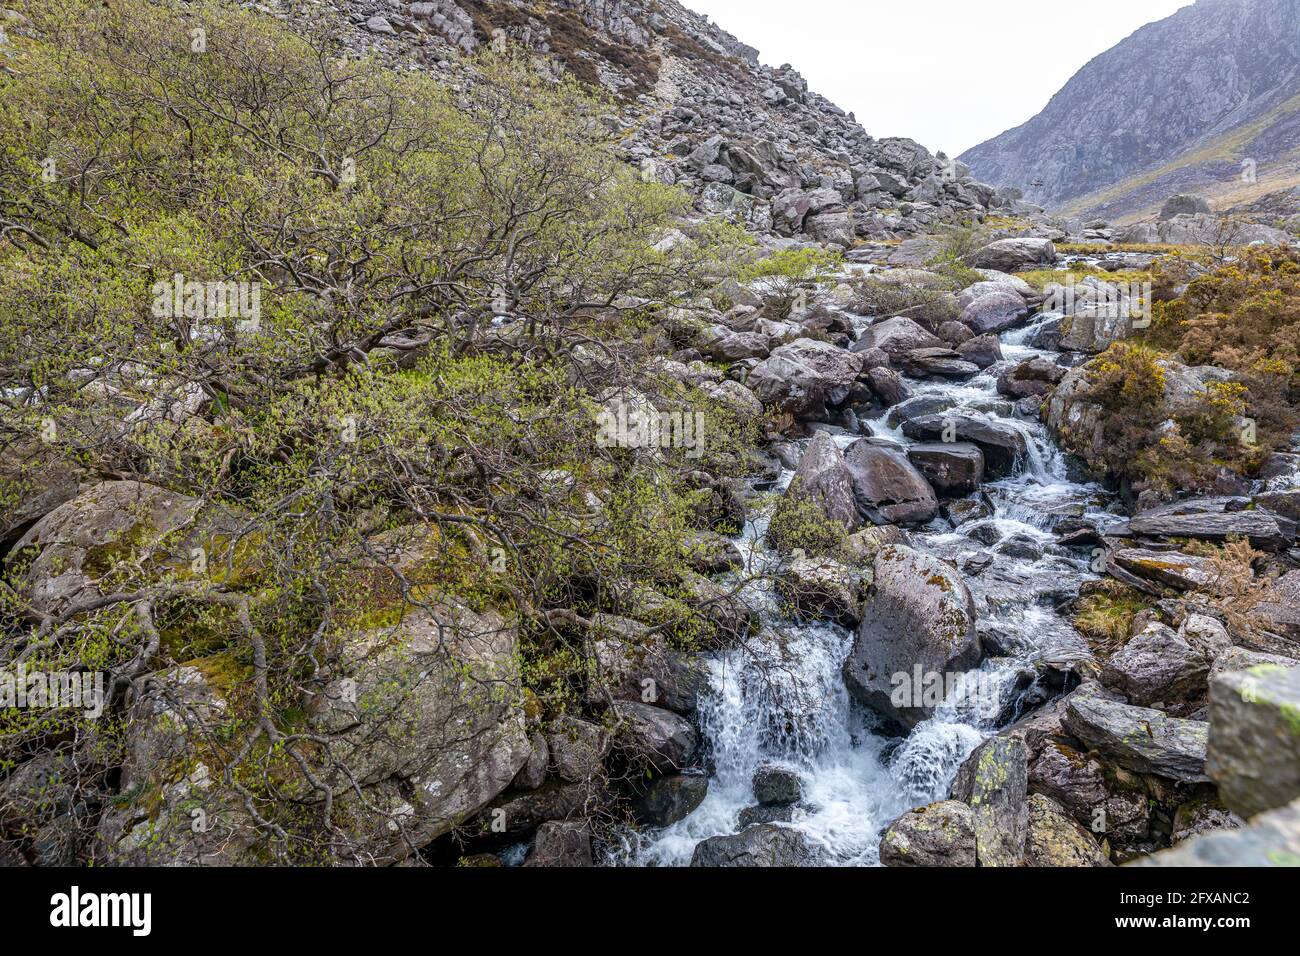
1205,101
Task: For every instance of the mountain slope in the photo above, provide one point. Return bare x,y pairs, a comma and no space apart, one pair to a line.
696,108
1206,100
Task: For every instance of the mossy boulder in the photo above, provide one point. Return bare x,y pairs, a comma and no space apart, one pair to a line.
940,834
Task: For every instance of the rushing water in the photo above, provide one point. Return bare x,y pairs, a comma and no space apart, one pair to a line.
782,699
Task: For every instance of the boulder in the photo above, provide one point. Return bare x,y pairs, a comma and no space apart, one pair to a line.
635,663
669,799
920,615
1003,444
561,843
824,480
822,589
81,541
1035,376
1281,615
888,489
994,782
953,469
661,739
1056,839
888,385
1254,742
1008,255
982,351
1141,567
1183,204
1266,530
940,834
1138,738
995,311
1157,667
936,363
776,786
801,376
764,844
896,337
578,749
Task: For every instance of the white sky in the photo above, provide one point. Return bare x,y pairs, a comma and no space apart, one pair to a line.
947,73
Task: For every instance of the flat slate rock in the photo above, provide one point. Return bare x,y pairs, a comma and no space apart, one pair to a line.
1139,738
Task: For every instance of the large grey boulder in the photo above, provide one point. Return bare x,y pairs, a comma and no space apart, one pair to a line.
635,663
82,540
940,834
802,375
564,843
1157,667
1035,376
887,487
1265,529
764,844
669,799
662,740
1008,255
995,311
1281,614
896,337
994,782
1054,838
953,469
824,480
1254,745
1184,204
1138,738
920,616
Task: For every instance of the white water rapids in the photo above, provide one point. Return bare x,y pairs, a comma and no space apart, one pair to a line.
782,699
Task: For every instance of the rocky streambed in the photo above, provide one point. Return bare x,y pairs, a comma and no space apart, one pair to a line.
975,537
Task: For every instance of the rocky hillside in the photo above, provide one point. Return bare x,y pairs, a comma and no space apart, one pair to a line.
696,108
1206,100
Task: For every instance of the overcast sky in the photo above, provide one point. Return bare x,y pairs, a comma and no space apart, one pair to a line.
948,73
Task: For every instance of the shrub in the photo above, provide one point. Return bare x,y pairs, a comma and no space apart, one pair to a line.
788,276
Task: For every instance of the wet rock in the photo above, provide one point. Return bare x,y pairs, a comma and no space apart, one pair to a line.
1009,255
951,468
1003,445
887,488
1021,546
1157,667
1055,839
937,362
888,386
964,510
1254,742
802,375
983,351
660,738
920,614
1081,784
760,814
940,834
566,843
1138,738
669,799
765,844
522,812
861,547
776,786
954,333
994,781
1270,839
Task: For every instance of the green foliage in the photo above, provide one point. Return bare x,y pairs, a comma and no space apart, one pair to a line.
798,524
783,276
